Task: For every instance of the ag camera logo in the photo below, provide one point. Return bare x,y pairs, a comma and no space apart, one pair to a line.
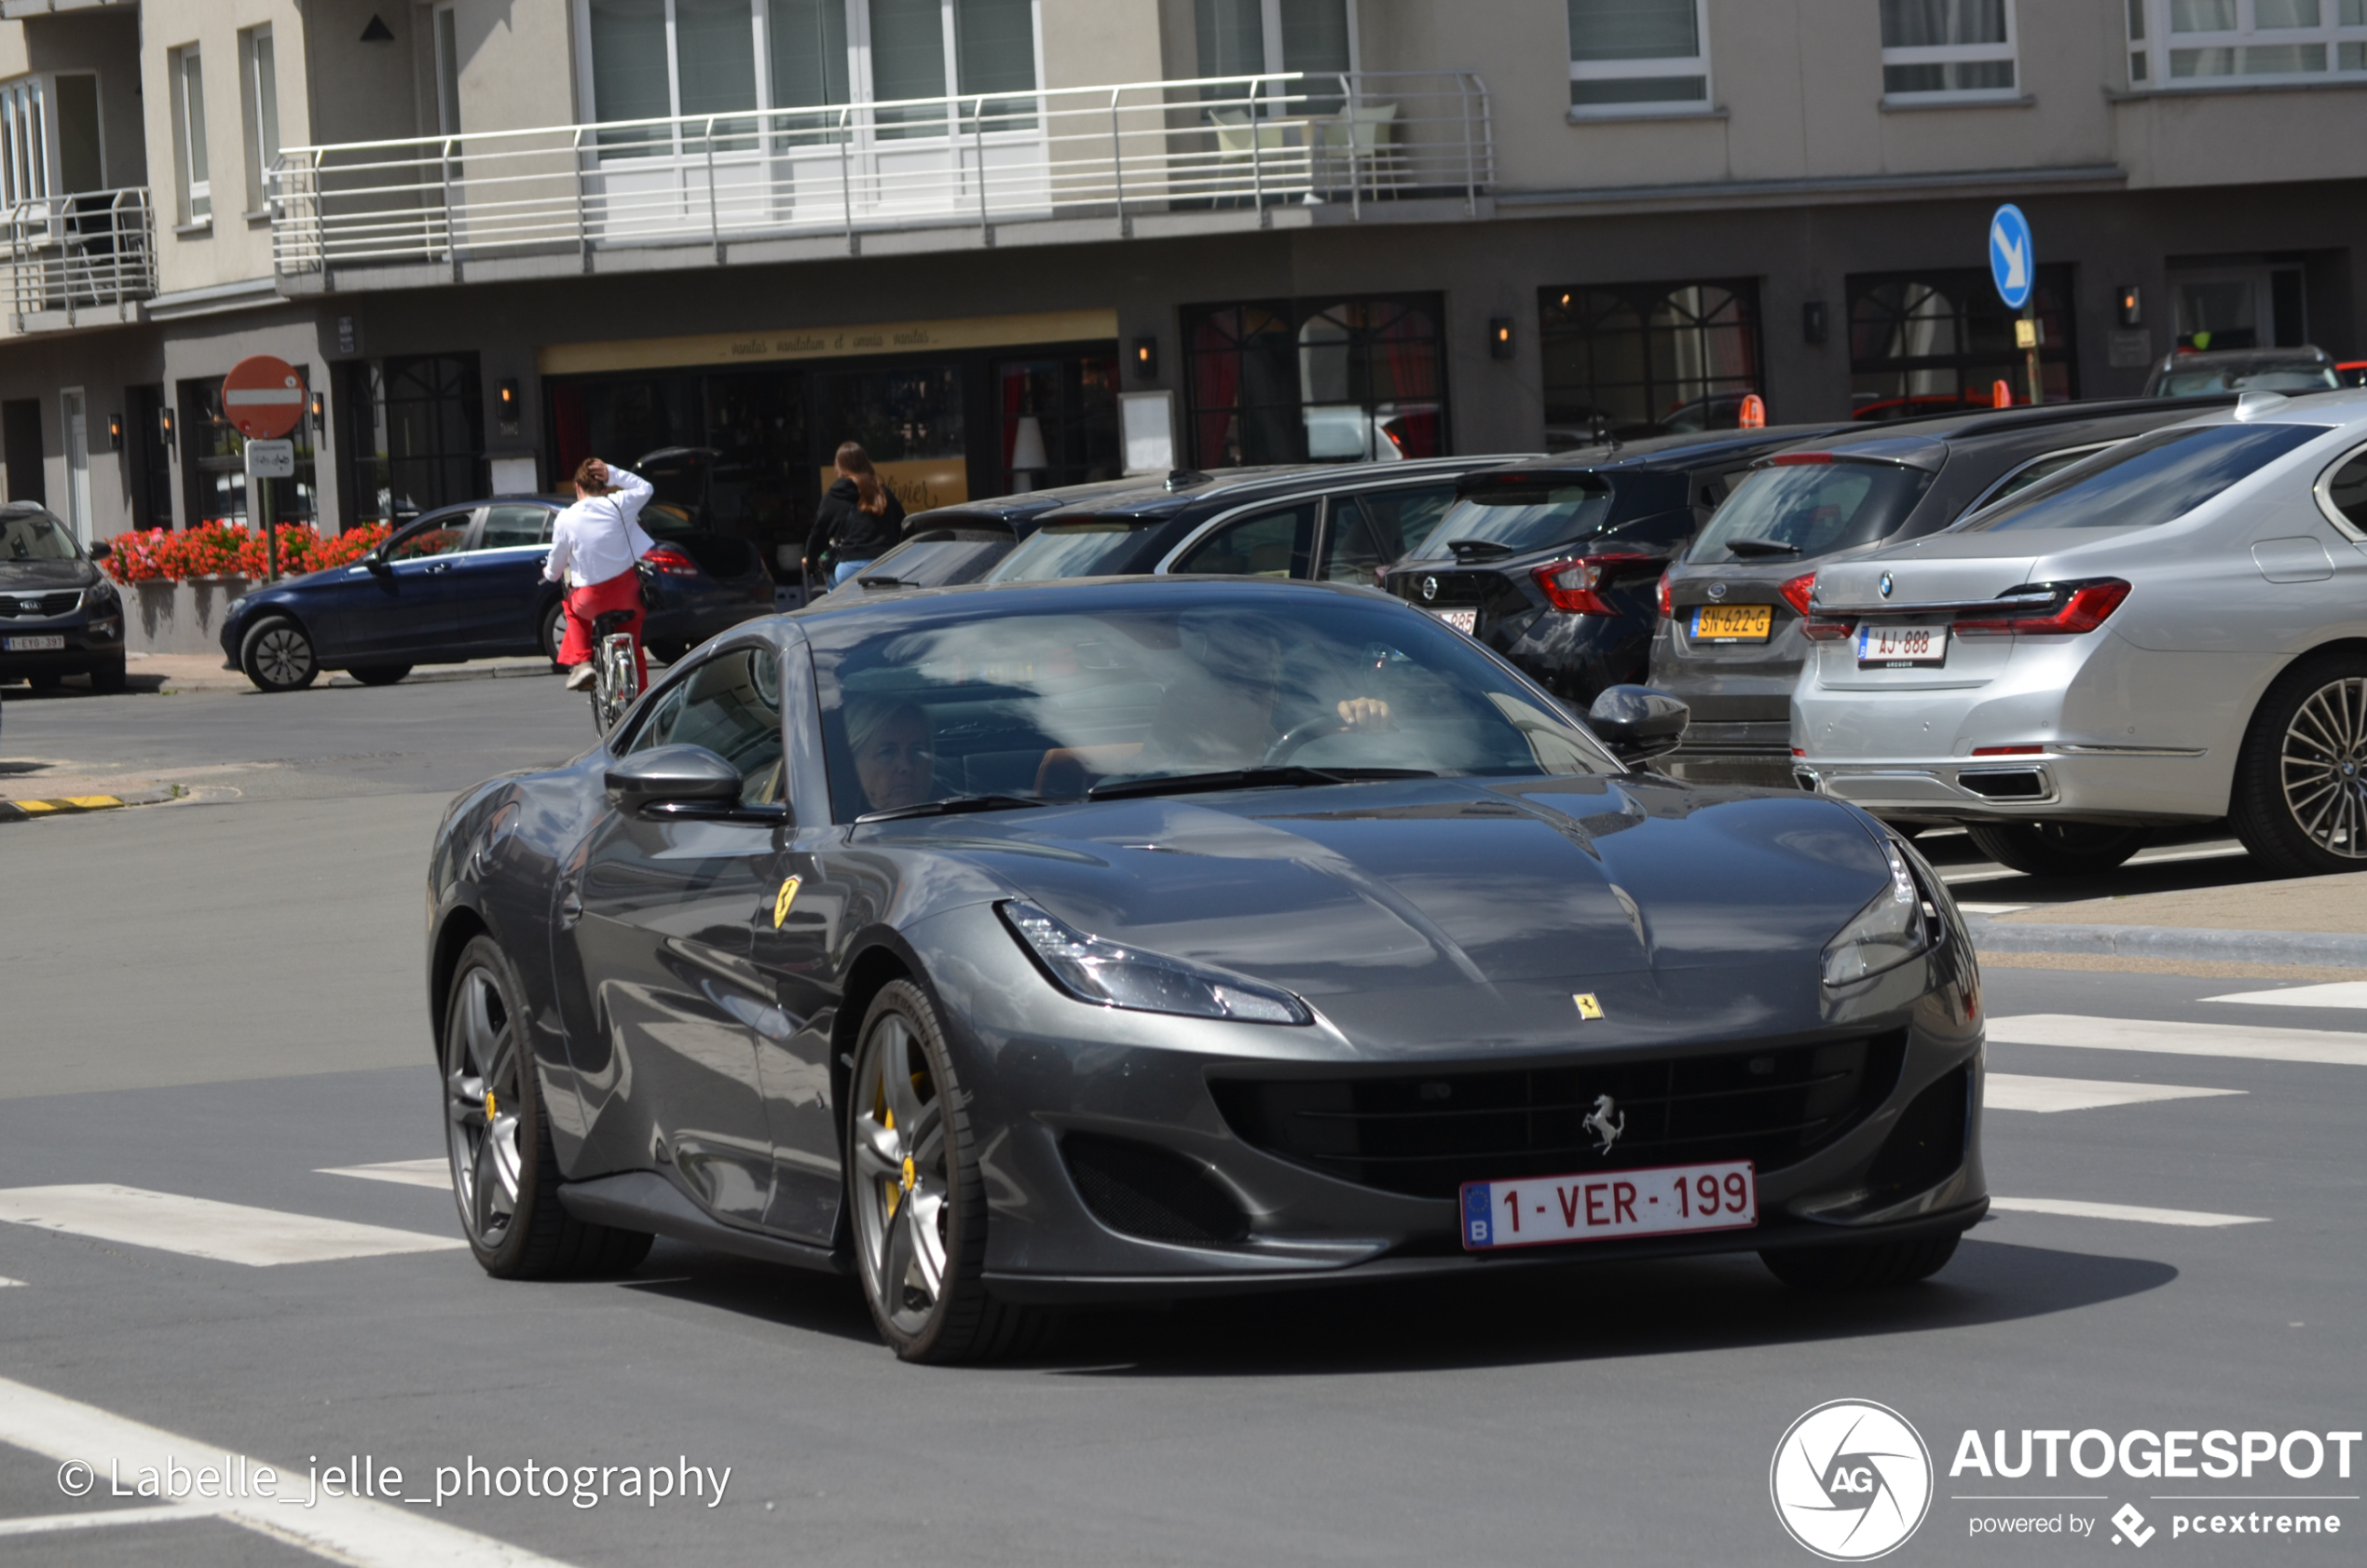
1851,1481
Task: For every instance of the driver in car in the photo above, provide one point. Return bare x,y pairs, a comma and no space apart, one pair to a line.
1230,712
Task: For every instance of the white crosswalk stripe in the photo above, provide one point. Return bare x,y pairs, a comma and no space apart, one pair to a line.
201,1228
2341,993
436,1173
5,1282
2013,1091
2078,1208
2333,1046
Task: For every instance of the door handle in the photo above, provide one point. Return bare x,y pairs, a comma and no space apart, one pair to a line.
440,566
570,908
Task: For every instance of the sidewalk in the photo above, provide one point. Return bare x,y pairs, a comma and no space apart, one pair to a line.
2310,921
171,672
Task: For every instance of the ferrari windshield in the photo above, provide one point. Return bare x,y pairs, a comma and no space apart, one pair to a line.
1125,690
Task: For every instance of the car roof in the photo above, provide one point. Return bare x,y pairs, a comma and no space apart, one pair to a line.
953,600
2211,359
1185,488
1924,442
1665,454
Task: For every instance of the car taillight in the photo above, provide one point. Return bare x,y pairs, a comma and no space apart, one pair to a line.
2008,751
1575,586
2069,606
672,561
1668,610
1796,593
1793,459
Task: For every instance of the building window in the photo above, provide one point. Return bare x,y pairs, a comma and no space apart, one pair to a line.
448,71
415,435
1319,380
1254,38
1928,342
1073,400
213,461
724,56
50,137
1633,360
1631,55
1949,50
258,113
188,135
2207,42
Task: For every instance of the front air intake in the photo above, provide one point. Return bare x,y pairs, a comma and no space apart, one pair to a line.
1928,1144
1153,1192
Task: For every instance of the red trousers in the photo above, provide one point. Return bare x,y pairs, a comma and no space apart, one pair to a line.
621,591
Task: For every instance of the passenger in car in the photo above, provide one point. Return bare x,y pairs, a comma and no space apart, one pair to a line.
895,754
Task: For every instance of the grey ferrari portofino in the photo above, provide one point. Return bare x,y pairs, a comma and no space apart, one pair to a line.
1016,944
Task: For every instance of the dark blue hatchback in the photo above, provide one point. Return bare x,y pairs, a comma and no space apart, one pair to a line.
466,583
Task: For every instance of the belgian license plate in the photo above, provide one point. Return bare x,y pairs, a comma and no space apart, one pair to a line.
1901,645
35,645
1666,1200
1733,623
1465,621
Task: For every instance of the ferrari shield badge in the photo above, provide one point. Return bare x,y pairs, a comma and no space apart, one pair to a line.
1587,1006
782,900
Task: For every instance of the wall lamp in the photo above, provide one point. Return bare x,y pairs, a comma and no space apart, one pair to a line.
505,404
114,431
1147,359
164,427
2132,307
1499,337
320,411
1812,321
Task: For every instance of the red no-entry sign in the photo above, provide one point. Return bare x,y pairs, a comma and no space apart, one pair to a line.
262,397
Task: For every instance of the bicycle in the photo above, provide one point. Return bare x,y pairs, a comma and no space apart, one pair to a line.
616,679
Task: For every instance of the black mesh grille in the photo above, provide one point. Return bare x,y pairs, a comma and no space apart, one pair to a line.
1928,1143
1426,1135
1148,1192
41,604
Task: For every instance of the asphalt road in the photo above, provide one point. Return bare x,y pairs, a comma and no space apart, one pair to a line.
220,1001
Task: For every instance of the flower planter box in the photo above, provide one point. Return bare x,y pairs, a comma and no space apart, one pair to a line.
179,617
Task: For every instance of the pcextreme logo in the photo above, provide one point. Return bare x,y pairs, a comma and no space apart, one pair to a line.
1851,1481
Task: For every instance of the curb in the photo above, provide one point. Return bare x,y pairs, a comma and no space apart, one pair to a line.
76,805
2333,949
428,677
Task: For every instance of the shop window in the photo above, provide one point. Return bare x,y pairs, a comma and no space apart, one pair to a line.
1320,380
415,435
1063,410
1929,342
2208,42
1628,56
907,420
1940,50
213,461
1630,359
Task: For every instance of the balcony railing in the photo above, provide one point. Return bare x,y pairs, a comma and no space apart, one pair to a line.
89,251
1358,142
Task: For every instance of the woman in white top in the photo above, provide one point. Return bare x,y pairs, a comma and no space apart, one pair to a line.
594,547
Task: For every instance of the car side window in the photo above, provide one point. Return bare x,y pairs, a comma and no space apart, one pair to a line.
2031,472
1401,520
1276,543
1352,548
731,705
509,528
439,536
2345,492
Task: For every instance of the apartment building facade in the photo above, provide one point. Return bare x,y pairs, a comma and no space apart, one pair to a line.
1009,243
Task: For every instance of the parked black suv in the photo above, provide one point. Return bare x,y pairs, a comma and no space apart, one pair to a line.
60,615
1730,646
1552,562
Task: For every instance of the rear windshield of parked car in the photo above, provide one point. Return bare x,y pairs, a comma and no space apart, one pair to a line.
1096,547
1517,521
1793,510
2267,378
2148,478
932,563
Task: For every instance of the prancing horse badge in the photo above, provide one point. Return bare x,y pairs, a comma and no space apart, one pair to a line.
1587,1006
782,900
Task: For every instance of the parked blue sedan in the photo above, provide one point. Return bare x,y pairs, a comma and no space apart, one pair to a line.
466,583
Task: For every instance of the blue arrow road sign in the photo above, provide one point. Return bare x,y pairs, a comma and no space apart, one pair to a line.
2013,261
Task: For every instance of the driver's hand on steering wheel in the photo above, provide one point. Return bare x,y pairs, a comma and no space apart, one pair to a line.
1364,712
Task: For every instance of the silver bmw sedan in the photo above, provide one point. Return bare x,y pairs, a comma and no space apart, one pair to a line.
2172,630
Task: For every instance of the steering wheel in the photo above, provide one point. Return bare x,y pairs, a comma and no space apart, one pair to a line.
1298,735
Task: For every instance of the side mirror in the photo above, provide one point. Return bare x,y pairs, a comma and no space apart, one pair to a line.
1637,722
377,564
101,550
672,776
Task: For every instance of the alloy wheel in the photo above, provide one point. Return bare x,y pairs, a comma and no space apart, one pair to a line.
2322,765
482,1106
901,1191
283,656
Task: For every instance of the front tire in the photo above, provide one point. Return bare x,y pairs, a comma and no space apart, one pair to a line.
277,656
110,678
1865,1265
914,1189
2056,849
2300,802
505,1172
378,675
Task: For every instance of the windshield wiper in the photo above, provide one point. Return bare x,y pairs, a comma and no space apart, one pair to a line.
1287,774
1482,549
880,581
954,806
1760,547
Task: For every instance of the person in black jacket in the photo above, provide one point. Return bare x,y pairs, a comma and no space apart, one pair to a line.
858,521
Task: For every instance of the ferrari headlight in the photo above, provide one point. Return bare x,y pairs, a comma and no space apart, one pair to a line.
1883,934
1112,976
